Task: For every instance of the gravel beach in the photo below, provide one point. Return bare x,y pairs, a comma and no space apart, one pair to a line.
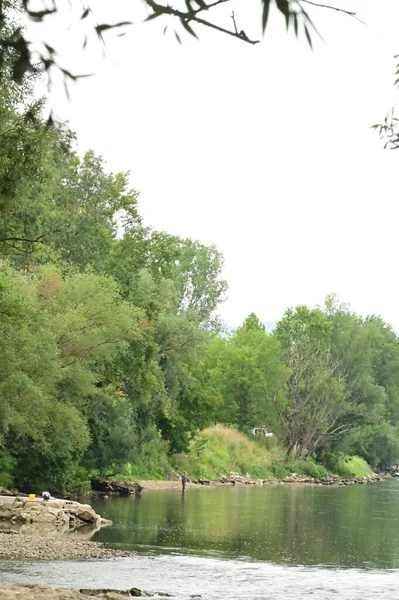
19,546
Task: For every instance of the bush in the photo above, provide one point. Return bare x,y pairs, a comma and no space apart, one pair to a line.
153,462
279,471
218,450
311,469
6,465
346,466
179,462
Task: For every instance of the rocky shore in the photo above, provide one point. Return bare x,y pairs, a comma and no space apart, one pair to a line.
294,478
18,546
236,479
33,591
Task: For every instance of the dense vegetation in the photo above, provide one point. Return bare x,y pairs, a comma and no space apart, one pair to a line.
112,358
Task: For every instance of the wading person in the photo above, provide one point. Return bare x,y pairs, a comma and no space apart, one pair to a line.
184,480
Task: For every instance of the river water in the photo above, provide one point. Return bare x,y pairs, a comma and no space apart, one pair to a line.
272,542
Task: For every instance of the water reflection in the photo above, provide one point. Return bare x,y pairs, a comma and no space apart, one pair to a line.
356,526
82,532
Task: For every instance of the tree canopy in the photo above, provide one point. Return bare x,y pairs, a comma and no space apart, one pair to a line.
113,355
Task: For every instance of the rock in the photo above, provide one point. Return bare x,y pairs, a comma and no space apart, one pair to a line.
107,593
61,514
33,591
120,488
135,592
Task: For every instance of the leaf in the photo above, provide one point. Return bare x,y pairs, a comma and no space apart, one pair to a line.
85,13
265,14
296,24
21,66
40,14
178,38
189,7
308,37
68,74
188,28
50,49
153,16
105,26
284,7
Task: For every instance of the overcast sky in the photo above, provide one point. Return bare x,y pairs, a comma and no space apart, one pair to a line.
265,151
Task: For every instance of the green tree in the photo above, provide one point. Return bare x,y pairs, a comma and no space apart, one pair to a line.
369,350
247,372
317,408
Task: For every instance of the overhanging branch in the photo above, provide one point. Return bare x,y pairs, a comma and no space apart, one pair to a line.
191,17
329,7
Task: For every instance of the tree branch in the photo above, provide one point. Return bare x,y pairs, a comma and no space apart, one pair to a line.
186,17
329,7
18,239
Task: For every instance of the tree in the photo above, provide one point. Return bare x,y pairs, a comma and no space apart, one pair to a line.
317,408
247,372
368,350
191,268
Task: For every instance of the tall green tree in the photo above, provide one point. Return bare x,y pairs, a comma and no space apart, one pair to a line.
247,372
317,409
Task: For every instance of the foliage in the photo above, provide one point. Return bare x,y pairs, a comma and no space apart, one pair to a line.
112,358
23,57
219,450
346,466
152,462
247,374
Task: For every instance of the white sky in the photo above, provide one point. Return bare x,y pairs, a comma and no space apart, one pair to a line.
264,150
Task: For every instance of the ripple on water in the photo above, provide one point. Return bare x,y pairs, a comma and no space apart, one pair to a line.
214,579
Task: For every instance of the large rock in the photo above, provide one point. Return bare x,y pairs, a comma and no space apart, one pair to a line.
60,514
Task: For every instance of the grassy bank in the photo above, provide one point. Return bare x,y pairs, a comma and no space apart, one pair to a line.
220,450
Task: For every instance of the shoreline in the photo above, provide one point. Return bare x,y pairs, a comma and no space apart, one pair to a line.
20,546
153,485
34,542
35,591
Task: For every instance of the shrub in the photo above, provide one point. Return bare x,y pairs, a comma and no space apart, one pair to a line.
345,465
218,450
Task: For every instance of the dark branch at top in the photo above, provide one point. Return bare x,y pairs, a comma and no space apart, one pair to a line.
190,16
329,7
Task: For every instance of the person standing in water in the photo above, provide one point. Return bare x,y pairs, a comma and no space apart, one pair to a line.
184,481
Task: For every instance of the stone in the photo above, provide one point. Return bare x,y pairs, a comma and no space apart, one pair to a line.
59,513
111,594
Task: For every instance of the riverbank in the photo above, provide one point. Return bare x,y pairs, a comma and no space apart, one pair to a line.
235,479
33,591
20,546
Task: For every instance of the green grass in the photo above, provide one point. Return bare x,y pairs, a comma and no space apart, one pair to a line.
352,466
220,450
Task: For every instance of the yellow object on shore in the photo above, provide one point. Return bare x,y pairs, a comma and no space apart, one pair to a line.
32,496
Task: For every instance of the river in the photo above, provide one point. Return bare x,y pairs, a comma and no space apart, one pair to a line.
272,542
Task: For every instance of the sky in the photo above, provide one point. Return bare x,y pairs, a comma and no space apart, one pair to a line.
265,151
